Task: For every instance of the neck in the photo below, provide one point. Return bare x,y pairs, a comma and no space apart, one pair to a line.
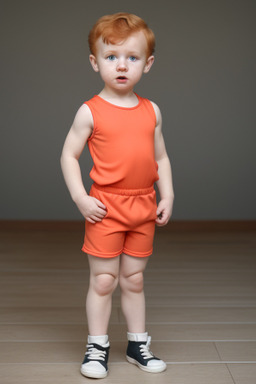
123,99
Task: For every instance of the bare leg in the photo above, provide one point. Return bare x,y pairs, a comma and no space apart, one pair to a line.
132,292
103,281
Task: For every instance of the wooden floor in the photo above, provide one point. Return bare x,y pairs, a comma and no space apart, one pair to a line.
201,300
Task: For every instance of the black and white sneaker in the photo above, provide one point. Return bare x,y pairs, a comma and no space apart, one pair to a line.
95,361
138,353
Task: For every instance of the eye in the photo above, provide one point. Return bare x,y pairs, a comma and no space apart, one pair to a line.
132,58
111,57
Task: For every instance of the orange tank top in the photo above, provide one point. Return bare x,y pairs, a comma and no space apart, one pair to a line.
122,144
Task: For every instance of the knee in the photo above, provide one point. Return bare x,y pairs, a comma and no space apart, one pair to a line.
133,283
104,284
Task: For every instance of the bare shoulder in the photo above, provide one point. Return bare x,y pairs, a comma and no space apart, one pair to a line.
83,120
157,112
79,132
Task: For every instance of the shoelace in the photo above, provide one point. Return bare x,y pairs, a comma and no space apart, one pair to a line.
94,353
144,349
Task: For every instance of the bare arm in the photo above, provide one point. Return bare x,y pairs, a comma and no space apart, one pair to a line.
164,184
92,209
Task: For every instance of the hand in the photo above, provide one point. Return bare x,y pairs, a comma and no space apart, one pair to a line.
91,208
164,212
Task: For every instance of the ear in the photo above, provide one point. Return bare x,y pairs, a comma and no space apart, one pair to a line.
149,63
93,62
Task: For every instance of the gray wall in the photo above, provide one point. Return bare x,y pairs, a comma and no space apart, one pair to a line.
203,80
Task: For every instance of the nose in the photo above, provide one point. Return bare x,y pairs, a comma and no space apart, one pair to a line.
121,65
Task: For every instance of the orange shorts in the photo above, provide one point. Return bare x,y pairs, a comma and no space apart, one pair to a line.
128,226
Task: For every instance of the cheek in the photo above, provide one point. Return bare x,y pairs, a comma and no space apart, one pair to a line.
138,73
107,68
104,72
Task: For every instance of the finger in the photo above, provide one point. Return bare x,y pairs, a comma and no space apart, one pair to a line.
162,219
158,212
101,217
90,220
159,221
160,224
95,218
101,212
100,204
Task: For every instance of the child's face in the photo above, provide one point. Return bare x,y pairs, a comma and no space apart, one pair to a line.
122,65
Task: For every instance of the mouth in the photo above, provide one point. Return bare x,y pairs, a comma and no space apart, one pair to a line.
121,79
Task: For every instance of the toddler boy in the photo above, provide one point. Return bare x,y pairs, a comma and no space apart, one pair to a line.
124,135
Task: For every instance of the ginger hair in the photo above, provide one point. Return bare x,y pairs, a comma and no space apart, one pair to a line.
115,28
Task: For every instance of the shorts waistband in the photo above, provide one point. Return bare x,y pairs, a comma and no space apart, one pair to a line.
124,192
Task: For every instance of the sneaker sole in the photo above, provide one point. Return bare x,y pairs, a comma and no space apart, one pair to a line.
146,369
94,374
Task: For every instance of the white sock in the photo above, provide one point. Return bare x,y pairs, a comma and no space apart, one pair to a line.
137,336
101,340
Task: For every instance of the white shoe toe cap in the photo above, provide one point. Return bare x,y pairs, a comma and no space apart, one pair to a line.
93,369
156,364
